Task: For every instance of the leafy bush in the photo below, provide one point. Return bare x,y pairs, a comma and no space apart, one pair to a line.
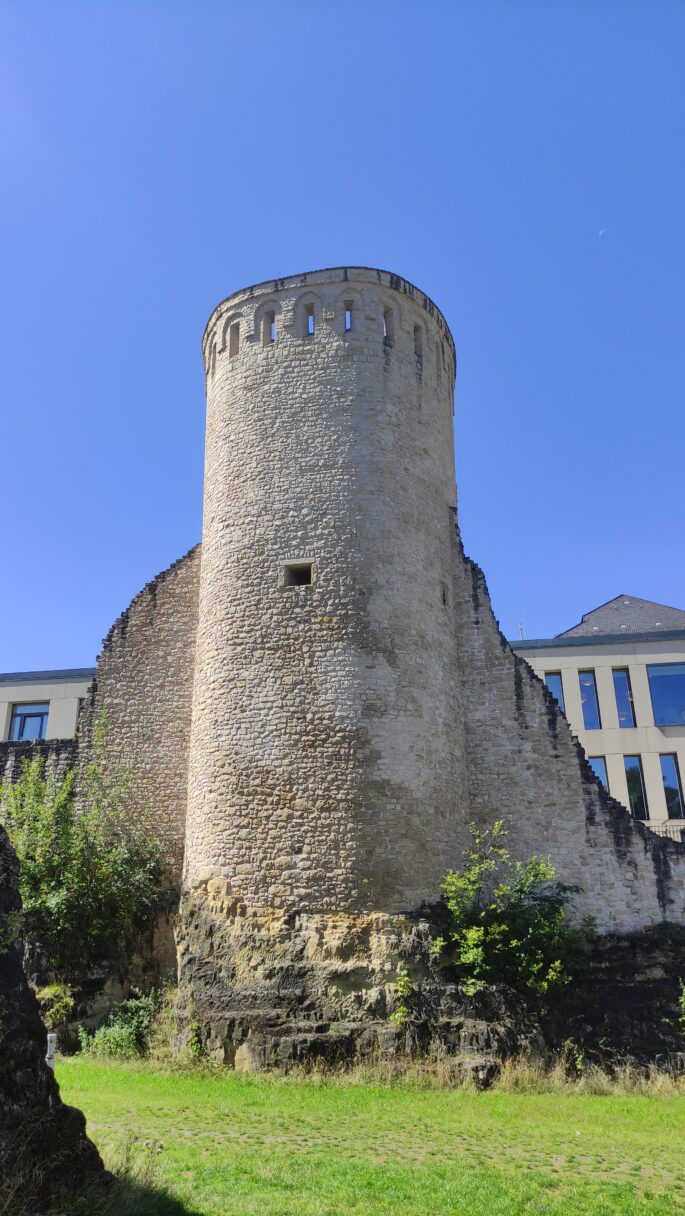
56,1004
507,920
88,878
128,1029
404,991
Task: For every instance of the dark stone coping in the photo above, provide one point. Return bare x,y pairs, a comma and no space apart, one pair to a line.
597,639
60,675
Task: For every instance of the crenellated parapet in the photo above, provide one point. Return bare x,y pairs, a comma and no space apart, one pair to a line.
369,310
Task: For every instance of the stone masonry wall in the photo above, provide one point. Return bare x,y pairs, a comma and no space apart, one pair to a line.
59,755
326,765
525,766
143,684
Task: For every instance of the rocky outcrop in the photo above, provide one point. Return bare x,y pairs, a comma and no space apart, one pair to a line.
44,1149
283,990
280,990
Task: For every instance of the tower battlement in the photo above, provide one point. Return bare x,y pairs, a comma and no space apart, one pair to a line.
353,303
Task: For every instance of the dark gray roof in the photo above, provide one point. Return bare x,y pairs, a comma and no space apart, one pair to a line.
627,614
47,677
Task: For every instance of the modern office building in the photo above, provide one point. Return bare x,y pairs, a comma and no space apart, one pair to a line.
619,676
42,704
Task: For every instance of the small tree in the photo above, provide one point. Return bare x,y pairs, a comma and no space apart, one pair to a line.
507,920
88,879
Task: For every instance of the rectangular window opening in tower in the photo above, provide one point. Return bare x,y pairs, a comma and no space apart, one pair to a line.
311,322
269,330
297,574
388,335
234,339
348,316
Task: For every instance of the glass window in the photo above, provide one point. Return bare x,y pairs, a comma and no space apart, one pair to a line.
598,765
636,787
555,686
673,789
588,696
29,721
624,697
667,686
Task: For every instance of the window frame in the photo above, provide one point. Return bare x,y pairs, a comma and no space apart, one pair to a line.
624,671
678,786
605,779
562,703
589,671
640,770
650,668
38,712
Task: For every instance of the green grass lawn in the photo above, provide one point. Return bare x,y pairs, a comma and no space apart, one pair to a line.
227,1145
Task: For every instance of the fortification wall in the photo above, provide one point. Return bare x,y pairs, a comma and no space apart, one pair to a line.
326,760
58,754
143,687
525,766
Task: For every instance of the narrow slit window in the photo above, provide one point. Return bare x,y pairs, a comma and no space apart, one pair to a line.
348,316
269,332
673,786
636,787
555,685
234,339
298,574
588,697
598,765
624,698
311,321
388,328
444,595
418,342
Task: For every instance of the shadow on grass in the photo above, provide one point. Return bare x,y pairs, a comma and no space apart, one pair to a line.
125,1197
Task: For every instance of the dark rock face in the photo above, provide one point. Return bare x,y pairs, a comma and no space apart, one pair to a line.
282,990
624,1007
44,1150
285,990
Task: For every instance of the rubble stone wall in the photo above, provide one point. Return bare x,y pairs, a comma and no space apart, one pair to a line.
142,691
326,763
58,754
526,767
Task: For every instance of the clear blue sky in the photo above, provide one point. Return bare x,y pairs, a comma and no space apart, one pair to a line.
524,163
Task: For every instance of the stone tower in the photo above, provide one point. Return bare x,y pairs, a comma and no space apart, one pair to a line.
326,759
354,702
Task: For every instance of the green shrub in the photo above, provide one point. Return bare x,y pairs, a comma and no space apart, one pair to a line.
507,920
128,1029
88,879
56,1004
404,991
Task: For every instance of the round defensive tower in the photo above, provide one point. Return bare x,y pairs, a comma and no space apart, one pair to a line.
325,766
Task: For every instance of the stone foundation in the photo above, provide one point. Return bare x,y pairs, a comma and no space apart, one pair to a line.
276,990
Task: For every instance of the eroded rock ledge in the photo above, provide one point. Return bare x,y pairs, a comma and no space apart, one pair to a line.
273,990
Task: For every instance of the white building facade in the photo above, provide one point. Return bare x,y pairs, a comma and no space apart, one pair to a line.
619,676
42,704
